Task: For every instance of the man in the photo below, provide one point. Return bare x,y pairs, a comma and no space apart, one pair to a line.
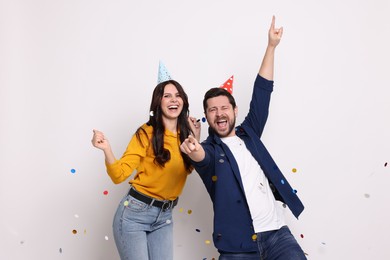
240,175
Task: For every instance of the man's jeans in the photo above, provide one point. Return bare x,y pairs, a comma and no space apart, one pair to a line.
143,232
273,245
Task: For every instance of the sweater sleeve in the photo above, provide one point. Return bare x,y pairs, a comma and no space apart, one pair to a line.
121,169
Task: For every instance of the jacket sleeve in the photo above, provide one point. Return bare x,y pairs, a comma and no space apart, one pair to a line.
206,167
259,105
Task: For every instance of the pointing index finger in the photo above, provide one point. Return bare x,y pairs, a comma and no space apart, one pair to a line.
191,139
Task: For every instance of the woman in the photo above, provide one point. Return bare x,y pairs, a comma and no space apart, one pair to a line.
143,222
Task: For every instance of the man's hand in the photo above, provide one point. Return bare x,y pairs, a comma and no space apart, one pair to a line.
267,65
274,34
190,145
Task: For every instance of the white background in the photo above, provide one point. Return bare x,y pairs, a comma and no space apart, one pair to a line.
67,67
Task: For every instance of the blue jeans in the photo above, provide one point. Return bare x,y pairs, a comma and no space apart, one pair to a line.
143,232
273,245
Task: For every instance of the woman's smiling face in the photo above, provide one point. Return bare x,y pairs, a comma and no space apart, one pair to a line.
171,102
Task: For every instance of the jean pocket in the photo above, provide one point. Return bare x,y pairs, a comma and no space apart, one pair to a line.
136,205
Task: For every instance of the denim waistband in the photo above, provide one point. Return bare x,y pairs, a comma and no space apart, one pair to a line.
263,236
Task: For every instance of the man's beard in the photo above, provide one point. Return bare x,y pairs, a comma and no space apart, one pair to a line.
231,127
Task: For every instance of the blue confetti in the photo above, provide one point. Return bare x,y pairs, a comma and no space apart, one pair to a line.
73,171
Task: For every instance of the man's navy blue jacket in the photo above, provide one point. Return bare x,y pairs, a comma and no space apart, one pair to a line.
219,171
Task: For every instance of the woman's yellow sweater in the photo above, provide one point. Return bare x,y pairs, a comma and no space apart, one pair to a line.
162,183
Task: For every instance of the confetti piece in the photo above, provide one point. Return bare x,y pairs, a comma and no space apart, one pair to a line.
284,205
294,170
85,231
323,243
60,250
105,192
282,181
214,178
73,171
189,211
254,237
126,203
302,236
207,242
385,164
294,191
168,221
181,210
106,237
74,231
367,195
203,119
22,242
197,230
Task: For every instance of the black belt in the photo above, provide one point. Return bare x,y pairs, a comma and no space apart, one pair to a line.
164,204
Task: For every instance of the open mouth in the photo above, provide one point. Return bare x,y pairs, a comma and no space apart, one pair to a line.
173,108
222,123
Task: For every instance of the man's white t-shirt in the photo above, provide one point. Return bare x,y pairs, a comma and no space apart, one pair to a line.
266,212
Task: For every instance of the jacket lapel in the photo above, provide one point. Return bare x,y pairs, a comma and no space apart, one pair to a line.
229,156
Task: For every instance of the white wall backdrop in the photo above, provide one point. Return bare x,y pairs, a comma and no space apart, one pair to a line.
67,67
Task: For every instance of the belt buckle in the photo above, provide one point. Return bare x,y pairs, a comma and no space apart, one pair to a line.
166,205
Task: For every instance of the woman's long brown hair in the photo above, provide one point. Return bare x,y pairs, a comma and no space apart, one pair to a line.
162,155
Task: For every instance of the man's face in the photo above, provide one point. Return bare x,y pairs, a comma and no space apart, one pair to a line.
221,116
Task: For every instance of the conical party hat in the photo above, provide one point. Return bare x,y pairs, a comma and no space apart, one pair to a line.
163,74
228,85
